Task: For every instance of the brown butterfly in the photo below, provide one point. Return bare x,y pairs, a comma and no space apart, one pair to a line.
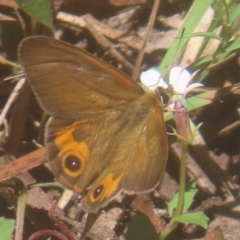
105,134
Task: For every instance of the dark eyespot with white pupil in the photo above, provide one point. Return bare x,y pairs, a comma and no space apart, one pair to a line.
73,163
98,191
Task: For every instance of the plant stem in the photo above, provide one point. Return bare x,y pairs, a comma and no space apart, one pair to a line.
182,184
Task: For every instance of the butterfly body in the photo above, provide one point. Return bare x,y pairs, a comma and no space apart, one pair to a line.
105,134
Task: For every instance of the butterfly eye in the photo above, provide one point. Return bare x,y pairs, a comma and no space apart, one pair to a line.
97,192
73,163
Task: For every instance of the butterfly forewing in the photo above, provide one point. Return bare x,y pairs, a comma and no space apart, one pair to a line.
56,69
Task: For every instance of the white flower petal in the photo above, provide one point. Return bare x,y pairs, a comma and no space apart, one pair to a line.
179,79
152,79
192,86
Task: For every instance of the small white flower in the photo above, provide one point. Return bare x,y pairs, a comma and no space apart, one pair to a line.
179,80
152,79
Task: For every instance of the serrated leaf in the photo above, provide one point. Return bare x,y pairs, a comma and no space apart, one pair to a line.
198,218
188,198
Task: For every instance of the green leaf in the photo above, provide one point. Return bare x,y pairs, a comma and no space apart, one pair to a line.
195,131
90,221
234,45
38,9
6,228
202,61
234,15
192,19
198,218
195,102
203,34
140,228
188,198
199,100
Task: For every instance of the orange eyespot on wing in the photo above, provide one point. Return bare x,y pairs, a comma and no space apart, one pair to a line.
102,191
73,156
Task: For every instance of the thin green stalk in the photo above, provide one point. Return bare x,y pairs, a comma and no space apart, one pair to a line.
168,230
182,184
21,206
182,181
